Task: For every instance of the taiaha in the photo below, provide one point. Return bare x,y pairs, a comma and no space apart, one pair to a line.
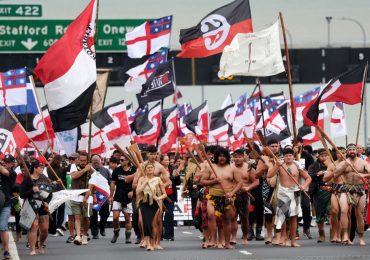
362,103
37,149
126,155
282,167
292,105
340,154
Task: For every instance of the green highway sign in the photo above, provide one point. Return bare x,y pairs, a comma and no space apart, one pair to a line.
20,10
39,35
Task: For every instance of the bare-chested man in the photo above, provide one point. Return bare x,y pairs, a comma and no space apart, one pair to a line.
241,202
336,183
159,171
352,192
222,189
288,193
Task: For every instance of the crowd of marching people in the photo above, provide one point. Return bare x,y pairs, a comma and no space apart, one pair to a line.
269,190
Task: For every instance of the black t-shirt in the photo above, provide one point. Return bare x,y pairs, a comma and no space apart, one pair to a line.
122,188
6,185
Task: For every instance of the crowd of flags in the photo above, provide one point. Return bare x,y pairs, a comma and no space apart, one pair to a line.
69,86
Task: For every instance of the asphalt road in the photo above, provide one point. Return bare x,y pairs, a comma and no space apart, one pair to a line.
187,246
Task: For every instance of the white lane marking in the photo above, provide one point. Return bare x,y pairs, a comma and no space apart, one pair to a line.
245,252
13,247
186,232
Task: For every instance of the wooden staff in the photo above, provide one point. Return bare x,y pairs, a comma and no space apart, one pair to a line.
37,149
201,158
193,157
26,170
340,154
135,148
289,80
285,170
127,156
201,146
362,102
133,157
326,147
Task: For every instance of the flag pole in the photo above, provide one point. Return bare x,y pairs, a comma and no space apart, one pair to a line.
42,114
289,80
37,149
92,98
179,145
261,105
362,104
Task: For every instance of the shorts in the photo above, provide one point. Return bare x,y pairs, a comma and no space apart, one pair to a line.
4,218
117,206
78,209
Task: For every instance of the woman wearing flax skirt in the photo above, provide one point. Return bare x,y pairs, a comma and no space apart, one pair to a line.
150,193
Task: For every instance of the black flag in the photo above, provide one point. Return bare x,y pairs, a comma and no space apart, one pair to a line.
158,86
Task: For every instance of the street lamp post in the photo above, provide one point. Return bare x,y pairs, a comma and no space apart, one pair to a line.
328,19
359,24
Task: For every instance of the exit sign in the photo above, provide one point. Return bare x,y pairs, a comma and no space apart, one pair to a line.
20,10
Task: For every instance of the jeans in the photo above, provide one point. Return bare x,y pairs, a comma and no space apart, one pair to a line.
306,211
4,218
104,214
168,222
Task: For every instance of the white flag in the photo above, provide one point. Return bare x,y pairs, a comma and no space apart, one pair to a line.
227,102
62,196
253,54
137,78
338,126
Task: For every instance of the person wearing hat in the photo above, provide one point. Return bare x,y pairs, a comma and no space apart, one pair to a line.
36,190
7,181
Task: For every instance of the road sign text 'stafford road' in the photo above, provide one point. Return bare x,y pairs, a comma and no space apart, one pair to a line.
39,35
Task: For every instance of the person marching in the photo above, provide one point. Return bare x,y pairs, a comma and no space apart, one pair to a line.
288,193
242,199
150,192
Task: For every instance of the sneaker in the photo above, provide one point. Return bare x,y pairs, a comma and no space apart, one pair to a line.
54,235
28,245
84,240
102,233
313,222
7,255
70,239
77,241
94,237
60,232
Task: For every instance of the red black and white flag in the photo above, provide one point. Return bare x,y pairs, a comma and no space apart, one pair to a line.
169,130
68,71
197,121
346,88
219,127
146,128
12,134
309,134
216,30
159,85
113,120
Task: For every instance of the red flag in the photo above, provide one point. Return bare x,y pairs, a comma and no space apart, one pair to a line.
12,134
68,71
346,88
216,30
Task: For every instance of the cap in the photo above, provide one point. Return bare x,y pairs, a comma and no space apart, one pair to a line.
41,160
9,158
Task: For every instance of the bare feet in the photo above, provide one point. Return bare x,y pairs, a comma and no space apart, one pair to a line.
229,247
158,247
362,242
220,246
245,241
295,244
41,251
149,248
32,253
